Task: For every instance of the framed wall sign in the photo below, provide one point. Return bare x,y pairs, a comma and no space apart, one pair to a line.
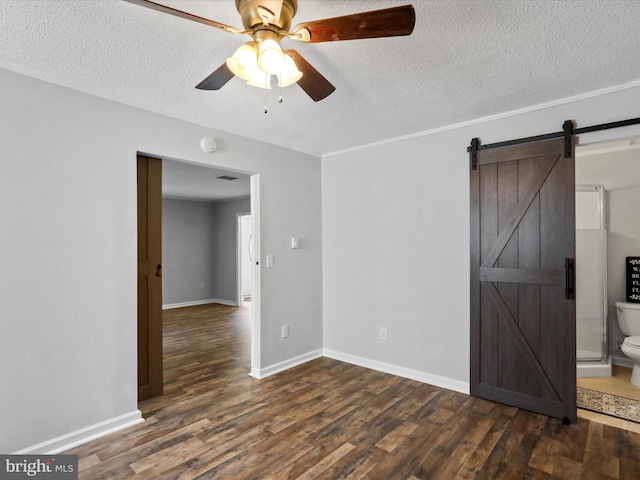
633,279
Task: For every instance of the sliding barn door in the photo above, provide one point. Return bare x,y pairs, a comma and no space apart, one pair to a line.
149,277
523,350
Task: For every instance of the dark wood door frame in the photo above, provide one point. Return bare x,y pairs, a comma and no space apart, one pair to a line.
150,371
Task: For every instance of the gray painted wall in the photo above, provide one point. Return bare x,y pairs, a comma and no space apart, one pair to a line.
199,246
395,237
225,248
384,241
68,224
188,230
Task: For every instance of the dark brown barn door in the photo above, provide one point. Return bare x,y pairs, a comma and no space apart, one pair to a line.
149,277
523,350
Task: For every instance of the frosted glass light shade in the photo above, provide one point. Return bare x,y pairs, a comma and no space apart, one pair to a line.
271,58
260,79
289,74
244,61
255,63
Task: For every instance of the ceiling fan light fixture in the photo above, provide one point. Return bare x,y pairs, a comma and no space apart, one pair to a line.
244,61
271,58
260,79
269,21
289,73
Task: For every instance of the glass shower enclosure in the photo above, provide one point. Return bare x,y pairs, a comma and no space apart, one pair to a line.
591,274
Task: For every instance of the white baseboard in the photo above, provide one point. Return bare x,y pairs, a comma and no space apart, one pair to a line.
83,435
193,303
424,377
225,302
285,365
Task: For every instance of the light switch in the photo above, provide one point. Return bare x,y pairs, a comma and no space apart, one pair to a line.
294,242
269,261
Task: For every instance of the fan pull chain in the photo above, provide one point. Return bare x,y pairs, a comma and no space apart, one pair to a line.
266,96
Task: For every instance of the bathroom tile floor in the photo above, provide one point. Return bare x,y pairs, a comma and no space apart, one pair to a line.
619,383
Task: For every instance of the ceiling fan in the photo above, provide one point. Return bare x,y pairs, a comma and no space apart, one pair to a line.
269,21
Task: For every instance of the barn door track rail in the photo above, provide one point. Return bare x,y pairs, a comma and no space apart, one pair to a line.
568,131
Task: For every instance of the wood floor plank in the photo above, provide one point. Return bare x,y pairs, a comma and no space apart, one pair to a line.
199,466
362,469
163,460
478,457
391,440
500,461
544,455
326,462
331,420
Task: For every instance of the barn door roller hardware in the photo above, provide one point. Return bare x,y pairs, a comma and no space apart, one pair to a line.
568,132
475,143
567,128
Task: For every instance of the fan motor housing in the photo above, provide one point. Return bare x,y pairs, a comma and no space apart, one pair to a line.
251,16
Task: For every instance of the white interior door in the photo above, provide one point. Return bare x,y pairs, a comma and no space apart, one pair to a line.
246,254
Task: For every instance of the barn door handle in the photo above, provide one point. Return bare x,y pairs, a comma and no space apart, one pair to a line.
158,270
568,288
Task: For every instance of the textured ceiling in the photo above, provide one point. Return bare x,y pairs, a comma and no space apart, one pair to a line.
465,60
192,182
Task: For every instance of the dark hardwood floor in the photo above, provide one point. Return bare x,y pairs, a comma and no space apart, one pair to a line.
328,420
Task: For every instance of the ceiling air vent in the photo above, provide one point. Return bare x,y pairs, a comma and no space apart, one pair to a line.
227,177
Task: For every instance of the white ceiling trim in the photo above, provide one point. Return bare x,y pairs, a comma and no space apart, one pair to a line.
491,118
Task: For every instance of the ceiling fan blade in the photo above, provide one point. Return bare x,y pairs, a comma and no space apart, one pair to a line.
269,10
388,22
312,81
179,13
217,79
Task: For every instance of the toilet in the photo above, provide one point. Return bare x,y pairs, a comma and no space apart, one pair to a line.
629,322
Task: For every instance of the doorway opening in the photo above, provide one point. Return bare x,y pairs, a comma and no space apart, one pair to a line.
613,166
199,239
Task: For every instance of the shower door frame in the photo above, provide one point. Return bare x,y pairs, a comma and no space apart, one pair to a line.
604,332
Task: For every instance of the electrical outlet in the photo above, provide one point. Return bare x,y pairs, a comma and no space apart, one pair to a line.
383,333
202,285
285,331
